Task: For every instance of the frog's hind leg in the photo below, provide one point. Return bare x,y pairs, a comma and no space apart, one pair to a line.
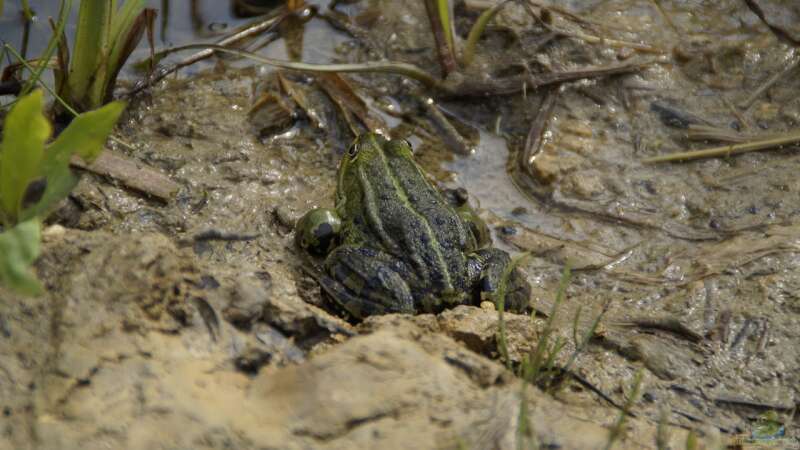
366,281
487,267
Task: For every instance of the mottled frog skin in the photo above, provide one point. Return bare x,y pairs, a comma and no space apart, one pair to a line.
395,243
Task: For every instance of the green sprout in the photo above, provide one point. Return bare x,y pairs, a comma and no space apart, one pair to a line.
35,175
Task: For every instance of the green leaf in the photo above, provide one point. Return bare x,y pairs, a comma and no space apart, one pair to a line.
124,18
127,29
89,54
85,136
24,134
19,248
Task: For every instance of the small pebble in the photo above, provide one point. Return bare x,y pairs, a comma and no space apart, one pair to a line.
285,216
489,306
519,211
508,230
53,232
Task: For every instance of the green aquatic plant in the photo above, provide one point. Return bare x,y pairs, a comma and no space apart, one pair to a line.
105,38
440,14
35,175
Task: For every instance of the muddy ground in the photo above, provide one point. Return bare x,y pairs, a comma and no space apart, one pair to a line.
156,333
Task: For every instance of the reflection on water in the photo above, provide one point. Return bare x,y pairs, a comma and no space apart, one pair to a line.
483,174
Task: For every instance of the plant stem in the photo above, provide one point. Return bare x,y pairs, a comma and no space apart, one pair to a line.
397,68
26,10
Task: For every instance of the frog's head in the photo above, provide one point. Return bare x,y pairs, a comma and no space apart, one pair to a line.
361,158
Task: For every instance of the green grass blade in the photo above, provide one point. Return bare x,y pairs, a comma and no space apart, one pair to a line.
24,134
89,54
477,30
85,136
19,248
615,433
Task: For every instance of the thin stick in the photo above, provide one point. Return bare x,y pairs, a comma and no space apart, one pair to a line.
132,174
711,133
768,84
756,145
665,16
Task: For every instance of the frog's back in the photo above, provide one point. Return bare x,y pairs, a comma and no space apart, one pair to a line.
415,223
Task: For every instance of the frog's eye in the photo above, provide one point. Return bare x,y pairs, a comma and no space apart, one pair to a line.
352,151
409,146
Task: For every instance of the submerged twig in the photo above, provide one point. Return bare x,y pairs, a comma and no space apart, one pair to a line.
752,146
533,142
451,137
712,133
769,83
459,85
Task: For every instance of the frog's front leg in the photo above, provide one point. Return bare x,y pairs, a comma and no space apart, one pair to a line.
366,281
486,268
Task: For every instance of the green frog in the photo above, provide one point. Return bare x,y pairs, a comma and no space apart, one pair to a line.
396,244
